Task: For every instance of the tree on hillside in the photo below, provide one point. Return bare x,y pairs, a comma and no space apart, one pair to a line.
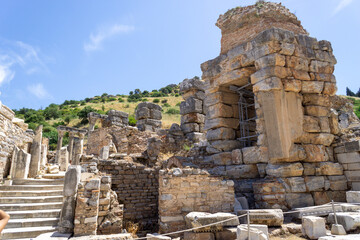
349,92
84,113
358,93
52,112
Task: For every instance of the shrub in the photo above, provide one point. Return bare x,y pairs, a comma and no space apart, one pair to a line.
127,106
177,95
156,100
164,101
173,111
121,99
132,120
84,112
178,104
166,105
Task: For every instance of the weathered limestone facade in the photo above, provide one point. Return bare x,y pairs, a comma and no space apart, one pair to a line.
12,133
268,109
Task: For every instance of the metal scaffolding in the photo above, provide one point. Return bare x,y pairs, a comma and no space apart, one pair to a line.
246,103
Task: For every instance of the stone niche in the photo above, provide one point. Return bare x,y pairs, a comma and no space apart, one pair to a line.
267,104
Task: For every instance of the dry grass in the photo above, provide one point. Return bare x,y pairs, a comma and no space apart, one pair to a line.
287,237
132,228
129,107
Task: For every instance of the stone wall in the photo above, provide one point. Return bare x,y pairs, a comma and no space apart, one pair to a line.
192,110
97,209
286,79
191,190
12,133
348,154
137,188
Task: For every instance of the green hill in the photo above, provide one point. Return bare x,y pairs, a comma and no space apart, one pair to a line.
73,113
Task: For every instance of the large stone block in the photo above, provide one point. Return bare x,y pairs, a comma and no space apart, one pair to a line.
142,113
294,184
297,63
219,110
353,196
221,122
190,127
330,168
253,155
242,171
315,183
193,118
325,139
199,219
268,84
351,157
314,227
225,145
192,84
316,111
269,72
285,170
329,88
311,124
352,176
353,146
35,152
255,233
315,153
350,220
269,61
337,183
221,97
316,99
296,200
224,158
312,87
283,116
268,217
220,134
191,105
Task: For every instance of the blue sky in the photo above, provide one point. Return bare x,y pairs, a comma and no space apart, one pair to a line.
51,51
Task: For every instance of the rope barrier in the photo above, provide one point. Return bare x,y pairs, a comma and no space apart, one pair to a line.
211,224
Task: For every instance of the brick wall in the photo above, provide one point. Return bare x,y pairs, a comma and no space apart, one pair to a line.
137,188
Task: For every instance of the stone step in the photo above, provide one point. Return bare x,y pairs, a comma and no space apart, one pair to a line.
54,176
28,232
32,222
38,199
31,181
30,206
30,193
51,213
30,187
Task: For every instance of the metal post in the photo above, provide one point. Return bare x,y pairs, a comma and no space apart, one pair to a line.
248,221
333,207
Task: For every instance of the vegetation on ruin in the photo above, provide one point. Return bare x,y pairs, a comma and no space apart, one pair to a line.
73,113
355,98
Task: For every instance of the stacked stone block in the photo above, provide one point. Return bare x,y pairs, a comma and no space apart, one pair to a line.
192,109
87,207
137,188
348,154
148,116
182,191
291,77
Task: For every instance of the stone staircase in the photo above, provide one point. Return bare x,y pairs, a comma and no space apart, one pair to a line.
34,206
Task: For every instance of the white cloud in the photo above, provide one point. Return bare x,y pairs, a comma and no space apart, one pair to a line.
342,4
96,40
18,54
38,91
6,75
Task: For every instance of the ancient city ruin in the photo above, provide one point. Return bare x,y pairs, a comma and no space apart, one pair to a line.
267,135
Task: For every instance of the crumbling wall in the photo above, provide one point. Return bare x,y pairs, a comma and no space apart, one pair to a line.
137,188
97,209
12,133
126,139
191,190
286,77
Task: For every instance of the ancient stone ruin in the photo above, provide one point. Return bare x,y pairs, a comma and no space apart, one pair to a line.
263,148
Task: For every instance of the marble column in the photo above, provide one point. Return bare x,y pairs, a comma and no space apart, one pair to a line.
59,145
71,146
